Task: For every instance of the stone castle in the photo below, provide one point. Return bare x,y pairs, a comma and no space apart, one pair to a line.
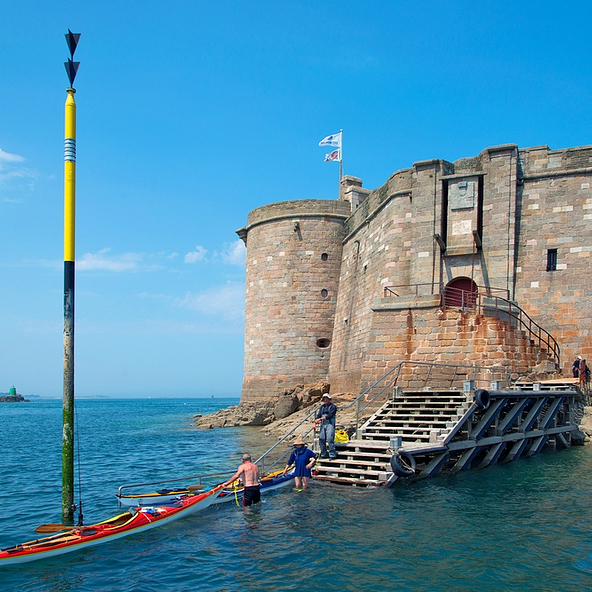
343,290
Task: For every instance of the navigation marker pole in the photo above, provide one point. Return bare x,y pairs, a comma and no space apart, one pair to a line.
68,506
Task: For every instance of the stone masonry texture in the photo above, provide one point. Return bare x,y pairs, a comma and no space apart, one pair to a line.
343,296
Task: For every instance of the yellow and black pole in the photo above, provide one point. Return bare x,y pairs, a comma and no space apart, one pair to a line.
68,506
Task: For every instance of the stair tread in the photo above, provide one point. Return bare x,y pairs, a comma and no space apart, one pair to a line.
363,444
346,453
376,465
337,469
350,481
407,421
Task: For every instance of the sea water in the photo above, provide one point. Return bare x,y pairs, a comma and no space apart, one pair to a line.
525,526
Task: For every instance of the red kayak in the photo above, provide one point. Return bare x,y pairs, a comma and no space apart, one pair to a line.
130,522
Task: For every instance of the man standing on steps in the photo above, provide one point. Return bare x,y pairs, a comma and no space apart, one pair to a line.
326,418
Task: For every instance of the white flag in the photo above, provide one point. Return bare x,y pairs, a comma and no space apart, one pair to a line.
332,140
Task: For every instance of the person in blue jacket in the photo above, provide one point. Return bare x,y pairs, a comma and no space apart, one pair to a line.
303,459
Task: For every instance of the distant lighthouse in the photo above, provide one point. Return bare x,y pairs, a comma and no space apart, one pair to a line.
12,392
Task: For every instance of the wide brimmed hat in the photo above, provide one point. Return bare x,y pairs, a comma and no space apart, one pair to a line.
298,441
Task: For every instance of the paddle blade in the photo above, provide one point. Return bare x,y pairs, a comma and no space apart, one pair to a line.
44,528
195,487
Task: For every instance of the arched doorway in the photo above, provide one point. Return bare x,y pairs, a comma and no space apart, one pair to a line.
460,292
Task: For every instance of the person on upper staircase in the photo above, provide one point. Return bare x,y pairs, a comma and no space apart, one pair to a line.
326,419
575,367
584,376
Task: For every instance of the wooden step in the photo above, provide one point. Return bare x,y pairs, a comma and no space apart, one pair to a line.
401,430
346,463
369,457
406,438
430,396
366,444
351,481
427,405
347,471
417,412
408,422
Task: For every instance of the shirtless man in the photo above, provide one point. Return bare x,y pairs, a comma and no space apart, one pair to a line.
250,478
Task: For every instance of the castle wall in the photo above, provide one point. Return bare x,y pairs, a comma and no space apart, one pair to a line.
391,244
556,213
427,334
490,220
293,266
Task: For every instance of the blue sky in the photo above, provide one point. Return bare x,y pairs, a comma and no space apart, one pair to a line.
191,114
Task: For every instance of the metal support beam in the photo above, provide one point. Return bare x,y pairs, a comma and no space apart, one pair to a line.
561,441
434,465
516,451
492,455
537,445
489,417
511,417
464,462
533,415
552,412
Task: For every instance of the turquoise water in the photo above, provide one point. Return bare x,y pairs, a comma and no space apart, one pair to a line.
526,526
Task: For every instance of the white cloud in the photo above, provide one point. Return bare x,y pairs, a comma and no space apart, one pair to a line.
234,253
101,261
7,157
227,301
197,255
15,180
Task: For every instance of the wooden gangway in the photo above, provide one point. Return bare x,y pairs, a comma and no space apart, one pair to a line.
456,430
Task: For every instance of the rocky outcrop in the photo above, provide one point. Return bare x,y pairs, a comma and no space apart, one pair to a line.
262,413
13,399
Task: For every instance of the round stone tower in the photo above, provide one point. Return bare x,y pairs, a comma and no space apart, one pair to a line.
293,266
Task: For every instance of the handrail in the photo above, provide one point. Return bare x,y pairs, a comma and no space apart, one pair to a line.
436,288
262,457
467,299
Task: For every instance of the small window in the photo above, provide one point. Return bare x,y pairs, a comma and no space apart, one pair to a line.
323,343
324,293
552,260
324,256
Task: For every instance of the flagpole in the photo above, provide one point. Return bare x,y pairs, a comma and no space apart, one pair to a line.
341,156
340,162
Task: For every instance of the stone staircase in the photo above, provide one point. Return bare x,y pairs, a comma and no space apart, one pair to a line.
420,417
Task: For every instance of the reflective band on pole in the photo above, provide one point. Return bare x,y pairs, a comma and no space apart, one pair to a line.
70,150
